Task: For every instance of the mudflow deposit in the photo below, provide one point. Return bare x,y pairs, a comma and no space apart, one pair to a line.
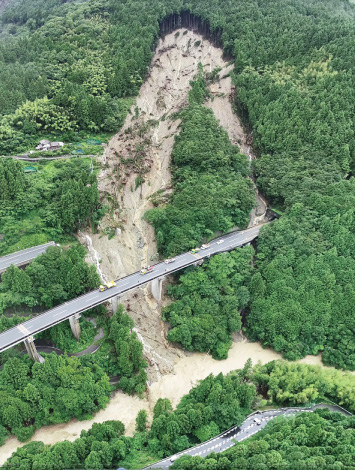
141,150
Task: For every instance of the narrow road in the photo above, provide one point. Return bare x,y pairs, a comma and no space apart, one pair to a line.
26,158
61,313
20,258
251,425
44,346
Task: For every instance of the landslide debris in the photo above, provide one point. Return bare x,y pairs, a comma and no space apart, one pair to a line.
135,173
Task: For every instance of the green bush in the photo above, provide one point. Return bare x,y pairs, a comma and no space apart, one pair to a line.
211,190
207,303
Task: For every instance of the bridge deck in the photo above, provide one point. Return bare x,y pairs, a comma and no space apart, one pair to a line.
58,314
23,257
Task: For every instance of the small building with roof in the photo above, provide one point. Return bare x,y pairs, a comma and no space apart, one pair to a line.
47,145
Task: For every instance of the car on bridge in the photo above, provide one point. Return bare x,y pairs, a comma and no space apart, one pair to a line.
169,260
106,286
204,246
220,242
194,250
147,270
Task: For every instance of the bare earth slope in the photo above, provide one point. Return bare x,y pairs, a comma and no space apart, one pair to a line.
142,149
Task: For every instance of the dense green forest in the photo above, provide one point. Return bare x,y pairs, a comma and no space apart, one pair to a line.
34,395
211,189
302,298
53,278
58,75
50,279
321,440
51,203
207,303
217,403
300,105
121,353
214,405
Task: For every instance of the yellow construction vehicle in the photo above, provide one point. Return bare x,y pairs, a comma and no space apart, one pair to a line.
106,286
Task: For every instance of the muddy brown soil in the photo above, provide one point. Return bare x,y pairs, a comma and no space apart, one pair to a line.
135,172
188,371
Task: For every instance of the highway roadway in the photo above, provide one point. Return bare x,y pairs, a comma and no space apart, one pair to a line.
252,424
61,313
23,257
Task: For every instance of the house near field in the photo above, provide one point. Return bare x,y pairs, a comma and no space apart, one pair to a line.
47,145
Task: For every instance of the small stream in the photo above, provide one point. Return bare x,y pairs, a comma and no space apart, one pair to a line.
148,352
94,255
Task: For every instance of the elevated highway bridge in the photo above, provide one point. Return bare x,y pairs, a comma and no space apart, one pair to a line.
71,310
23,257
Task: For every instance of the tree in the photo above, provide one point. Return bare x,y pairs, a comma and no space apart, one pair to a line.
93,461
141,421
207,303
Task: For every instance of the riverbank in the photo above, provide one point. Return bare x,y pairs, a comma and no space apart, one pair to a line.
188,371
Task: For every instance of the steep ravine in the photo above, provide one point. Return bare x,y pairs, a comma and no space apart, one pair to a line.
142,149
171,372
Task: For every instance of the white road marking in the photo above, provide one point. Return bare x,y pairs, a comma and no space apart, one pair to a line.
60,313
23,330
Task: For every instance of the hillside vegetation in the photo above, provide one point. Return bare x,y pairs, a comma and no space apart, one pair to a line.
321,440
214,405
35,395
294,72
52,203
207,303
211,189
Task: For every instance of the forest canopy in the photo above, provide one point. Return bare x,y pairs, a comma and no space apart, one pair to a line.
212,191
214,405
208,300
53,202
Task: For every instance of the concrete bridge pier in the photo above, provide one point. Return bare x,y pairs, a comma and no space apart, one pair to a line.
32,351
156,286
115,302
75,325
199,262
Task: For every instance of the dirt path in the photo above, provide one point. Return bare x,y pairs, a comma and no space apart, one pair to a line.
36,159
